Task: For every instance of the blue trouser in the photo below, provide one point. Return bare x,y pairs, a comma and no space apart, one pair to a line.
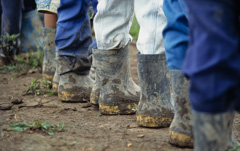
175,33
213,58
73,36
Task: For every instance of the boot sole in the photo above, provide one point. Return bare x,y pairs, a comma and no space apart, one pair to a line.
55,87
94,99
65,96
180,140
154,122
47,76
115,110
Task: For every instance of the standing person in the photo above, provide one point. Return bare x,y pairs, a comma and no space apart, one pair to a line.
176,36
118,93
73,39
49,8
212,64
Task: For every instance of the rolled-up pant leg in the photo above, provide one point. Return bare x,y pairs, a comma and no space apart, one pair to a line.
112,23
73,35
152,20
213,57
175,33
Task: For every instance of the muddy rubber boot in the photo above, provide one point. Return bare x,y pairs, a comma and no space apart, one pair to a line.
55,81
211,130
49,61
74,85
94,97
118,92
154,108
181,134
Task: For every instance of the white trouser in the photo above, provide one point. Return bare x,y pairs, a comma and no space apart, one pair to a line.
114,18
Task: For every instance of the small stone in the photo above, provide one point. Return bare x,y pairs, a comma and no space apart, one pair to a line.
129,144
140,136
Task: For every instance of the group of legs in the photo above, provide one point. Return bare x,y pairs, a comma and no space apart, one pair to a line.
114,91
19,18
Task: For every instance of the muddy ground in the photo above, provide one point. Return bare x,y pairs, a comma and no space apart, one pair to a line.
85,129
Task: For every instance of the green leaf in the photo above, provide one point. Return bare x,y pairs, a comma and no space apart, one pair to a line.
99,114
18,129
50,133
22,125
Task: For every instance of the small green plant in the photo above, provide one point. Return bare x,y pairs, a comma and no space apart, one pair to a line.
7,45
134,108
40,88
237,148
35,126
99,114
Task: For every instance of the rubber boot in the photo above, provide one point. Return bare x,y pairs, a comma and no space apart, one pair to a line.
118,92
211,130
181,134
154,108
49,61
94,97
30,31
73,86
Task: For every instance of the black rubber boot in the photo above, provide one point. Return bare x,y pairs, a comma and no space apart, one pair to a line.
75,84
155,108
49,61
211,130
181,134
118,92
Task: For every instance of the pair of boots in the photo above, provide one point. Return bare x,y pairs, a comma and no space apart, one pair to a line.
116,93
68,84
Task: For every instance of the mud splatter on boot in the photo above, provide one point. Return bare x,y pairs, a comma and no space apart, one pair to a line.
49,62
154,108
181,134
211,130
231,139
94,97
118,92
55,81
74,86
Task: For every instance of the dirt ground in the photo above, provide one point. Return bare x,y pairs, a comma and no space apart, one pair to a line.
85,130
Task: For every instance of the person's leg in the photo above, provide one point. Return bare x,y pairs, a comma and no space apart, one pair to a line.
175,41
212,64
72,41
10,23
30,36
49,8
155,108
118,94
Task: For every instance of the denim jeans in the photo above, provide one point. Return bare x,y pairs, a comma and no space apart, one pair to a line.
114,18
73,35
175,33
213,57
